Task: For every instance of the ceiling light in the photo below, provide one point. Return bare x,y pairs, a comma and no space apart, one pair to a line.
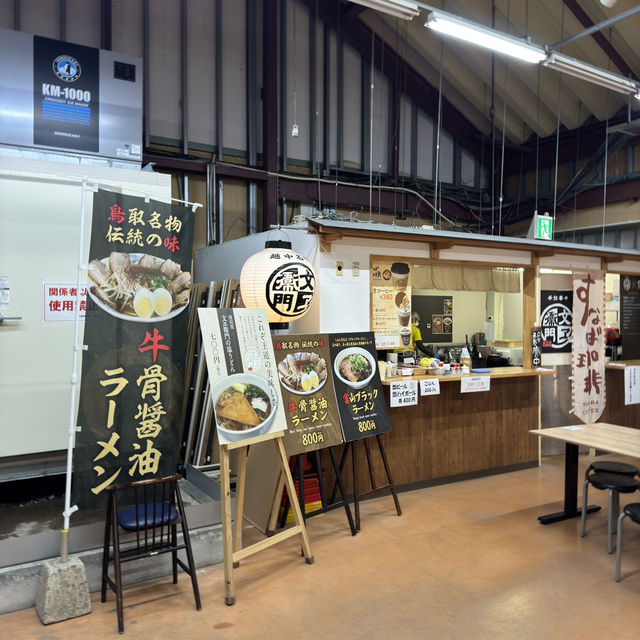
398,8
591,73
484,37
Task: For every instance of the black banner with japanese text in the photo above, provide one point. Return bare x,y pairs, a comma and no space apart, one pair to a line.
361,402
555,321
135,336
306,382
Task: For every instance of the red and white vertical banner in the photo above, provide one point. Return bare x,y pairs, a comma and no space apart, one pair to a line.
587,356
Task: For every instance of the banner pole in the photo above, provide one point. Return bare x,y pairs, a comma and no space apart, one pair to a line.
68,509
63,588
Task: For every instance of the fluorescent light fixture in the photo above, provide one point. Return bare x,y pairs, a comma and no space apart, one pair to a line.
398,8
485,37
591,73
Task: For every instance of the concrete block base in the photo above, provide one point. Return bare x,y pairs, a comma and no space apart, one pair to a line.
63,591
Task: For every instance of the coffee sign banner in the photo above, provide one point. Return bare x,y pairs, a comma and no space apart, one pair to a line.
135,336
390,302
587,358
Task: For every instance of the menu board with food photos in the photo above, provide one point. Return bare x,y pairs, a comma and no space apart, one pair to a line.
306,383
242,373
390,302
361,401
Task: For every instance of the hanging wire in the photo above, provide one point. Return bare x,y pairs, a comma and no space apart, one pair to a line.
295,94
504,129
604,187
555,179
606,161
535,210
437,167
575,194
371,84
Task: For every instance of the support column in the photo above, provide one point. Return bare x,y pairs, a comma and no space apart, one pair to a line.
270,112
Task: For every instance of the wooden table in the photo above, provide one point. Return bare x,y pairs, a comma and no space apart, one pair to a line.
602,436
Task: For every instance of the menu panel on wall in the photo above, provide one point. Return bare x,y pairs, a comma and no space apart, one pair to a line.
436,317
630,316
361,401
306,382
390,302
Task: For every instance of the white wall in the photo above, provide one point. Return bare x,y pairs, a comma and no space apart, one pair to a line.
40,205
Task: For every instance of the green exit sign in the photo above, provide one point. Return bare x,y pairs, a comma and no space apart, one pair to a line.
544,227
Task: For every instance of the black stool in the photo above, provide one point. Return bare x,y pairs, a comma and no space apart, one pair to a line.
633,511
617,479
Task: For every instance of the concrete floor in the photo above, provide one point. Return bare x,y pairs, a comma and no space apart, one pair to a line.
466,560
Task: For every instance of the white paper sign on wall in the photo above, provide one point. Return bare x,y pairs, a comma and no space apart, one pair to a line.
631,385
430,387
475,383
404,394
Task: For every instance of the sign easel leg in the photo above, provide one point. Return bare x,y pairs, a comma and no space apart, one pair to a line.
356,493
227,541
387,468
240,486
293,500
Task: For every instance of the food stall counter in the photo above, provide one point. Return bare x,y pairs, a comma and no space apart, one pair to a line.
498,372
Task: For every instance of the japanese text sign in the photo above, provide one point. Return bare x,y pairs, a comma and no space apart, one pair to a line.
472,384
242,373
632,385
361,402
403,394
430,387
135,332
390,293
306,382
587,357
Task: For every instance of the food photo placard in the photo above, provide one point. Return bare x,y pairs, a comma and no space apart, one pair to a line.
135,332
390,302
306,383
245,390
361,402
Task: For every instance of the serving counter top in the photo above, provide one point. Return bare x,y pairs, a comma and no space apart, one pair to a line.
621,364
498,372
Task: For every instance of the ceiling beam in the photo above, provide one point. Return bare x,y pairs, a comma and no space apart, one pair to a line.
605,45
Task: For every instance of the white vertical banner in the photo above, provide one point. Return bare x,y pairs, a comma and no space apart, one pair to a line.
587,354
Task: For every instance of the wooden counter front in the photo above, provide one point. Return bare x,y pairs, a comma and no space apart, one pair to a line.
453,435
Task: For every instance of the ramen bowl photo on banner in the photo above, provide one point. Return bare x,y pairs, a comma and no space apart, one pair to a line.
245,390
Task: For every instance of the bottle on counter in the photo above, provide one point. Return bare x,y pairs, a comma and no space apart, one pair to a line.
465,358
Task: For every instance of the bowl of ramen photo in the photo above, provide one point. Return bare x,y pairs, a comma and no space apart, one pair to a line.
244,406
354,366
302,372
139,287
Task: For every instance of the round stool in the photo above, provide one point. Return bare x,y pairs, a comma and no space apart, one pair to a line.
633,511
615,484
611,466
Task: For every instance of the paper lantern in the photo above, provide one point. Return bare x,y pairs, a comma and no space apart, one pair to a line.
279,280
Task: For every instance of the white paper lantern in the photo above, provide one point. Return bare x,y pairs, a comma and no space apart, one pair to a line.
279,280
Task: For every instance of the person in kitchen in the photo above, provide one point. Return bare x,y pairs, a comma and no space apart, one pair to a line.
416,343
416,338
